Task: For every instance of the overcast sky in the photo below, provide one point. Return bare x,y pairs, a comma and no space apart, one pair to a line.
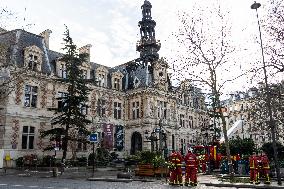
111,26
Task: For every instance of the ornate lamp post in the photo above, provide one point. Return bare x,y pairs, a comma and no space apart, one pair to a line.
271,122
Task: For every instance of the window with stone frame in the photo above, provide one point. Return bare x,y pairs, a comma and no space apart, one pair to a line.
190,121
116,83
62,73
162,109
61,100
28,136
81,143
33,62
135,110
101,80
117,110
101,109
181,120
30,96
33,58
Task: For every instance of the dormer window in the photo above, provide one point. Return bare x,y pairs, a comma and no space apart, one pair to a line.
33,62
116,83
62,71
33,58
101,76
116,80
101,80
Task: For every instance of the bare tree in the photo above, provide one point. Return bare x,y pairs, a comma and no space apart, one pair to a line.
274,26
205,57
258,111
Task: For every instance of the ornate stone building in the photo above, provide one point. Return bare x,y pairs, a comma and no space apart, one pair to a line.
246,114
132,110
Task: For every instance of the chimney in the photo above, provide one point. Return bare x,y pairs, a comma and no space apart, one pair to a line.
45,34
86,49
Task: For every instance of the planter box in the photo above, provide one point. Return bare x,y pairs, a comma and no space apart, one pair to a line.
145,170
149,170
161,171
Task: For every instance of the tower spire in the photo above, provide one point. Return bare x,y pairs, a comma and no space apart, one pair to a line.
148,46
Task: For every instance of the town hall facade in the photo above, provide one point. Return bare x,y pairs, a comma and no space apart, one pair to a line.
131,109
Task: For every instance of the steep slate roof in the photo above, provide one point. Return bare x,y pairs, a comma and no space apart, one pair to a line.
19,39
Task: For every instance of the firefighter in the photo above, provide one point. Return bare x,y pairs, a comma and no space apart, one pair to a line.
266,168
175,168
191,169
254,172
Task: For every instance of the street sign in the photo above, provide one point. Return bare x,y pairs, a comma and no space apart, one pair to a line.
94,137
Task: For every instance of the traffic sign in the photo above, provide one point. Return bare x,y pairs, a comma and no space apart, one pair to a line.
94,137
157,130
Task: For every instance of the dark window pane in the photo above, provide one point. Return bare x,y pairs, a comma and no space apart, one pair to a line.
115,114
31,142
32,129
34,90
24,141
25,129
137,112
119,114
34,101
27,89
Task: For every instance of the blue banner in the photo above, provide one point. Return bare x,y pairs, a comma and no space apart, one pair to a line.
119,138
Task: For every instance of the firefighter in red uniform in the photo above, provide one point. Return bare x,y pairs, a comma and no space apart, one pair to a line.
175,168
254,172
191,169
266,168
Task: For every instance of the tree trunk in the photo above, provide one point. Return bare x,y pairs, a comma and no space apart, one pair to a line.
65,145
228,153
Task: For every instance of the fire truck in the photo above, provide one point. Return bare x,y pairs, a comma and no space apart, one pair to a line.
207,155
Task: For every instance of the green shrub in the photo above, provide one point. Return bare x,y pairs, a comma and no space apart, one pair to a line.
20,162
82,161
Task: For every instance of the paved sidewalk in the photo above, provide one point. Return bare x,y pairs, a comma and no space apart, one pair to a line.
110,175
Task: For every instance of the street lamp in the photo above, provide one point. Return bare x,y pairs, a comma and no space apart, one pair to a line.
271,122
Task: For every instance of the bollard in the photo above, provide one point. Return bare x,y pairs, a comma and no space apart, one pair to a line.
55,172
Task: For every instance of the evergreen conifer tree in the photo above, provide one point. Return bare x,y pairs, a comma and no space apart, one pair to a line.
71,116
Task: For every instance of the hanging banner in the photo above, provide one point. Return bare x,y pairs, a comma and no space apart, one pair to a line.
108,136
119,137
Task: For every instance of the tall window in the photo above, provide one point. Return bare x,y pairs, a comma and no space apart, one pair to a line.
117,110
81,144
60,100
162,109
84,109
135,110
181,120
28,137
62,71
30,96
101,80
190,121
101,109
33,62
116,83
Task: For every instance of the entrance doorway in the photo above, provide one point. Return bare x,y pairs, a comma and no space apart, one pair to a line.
136,143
